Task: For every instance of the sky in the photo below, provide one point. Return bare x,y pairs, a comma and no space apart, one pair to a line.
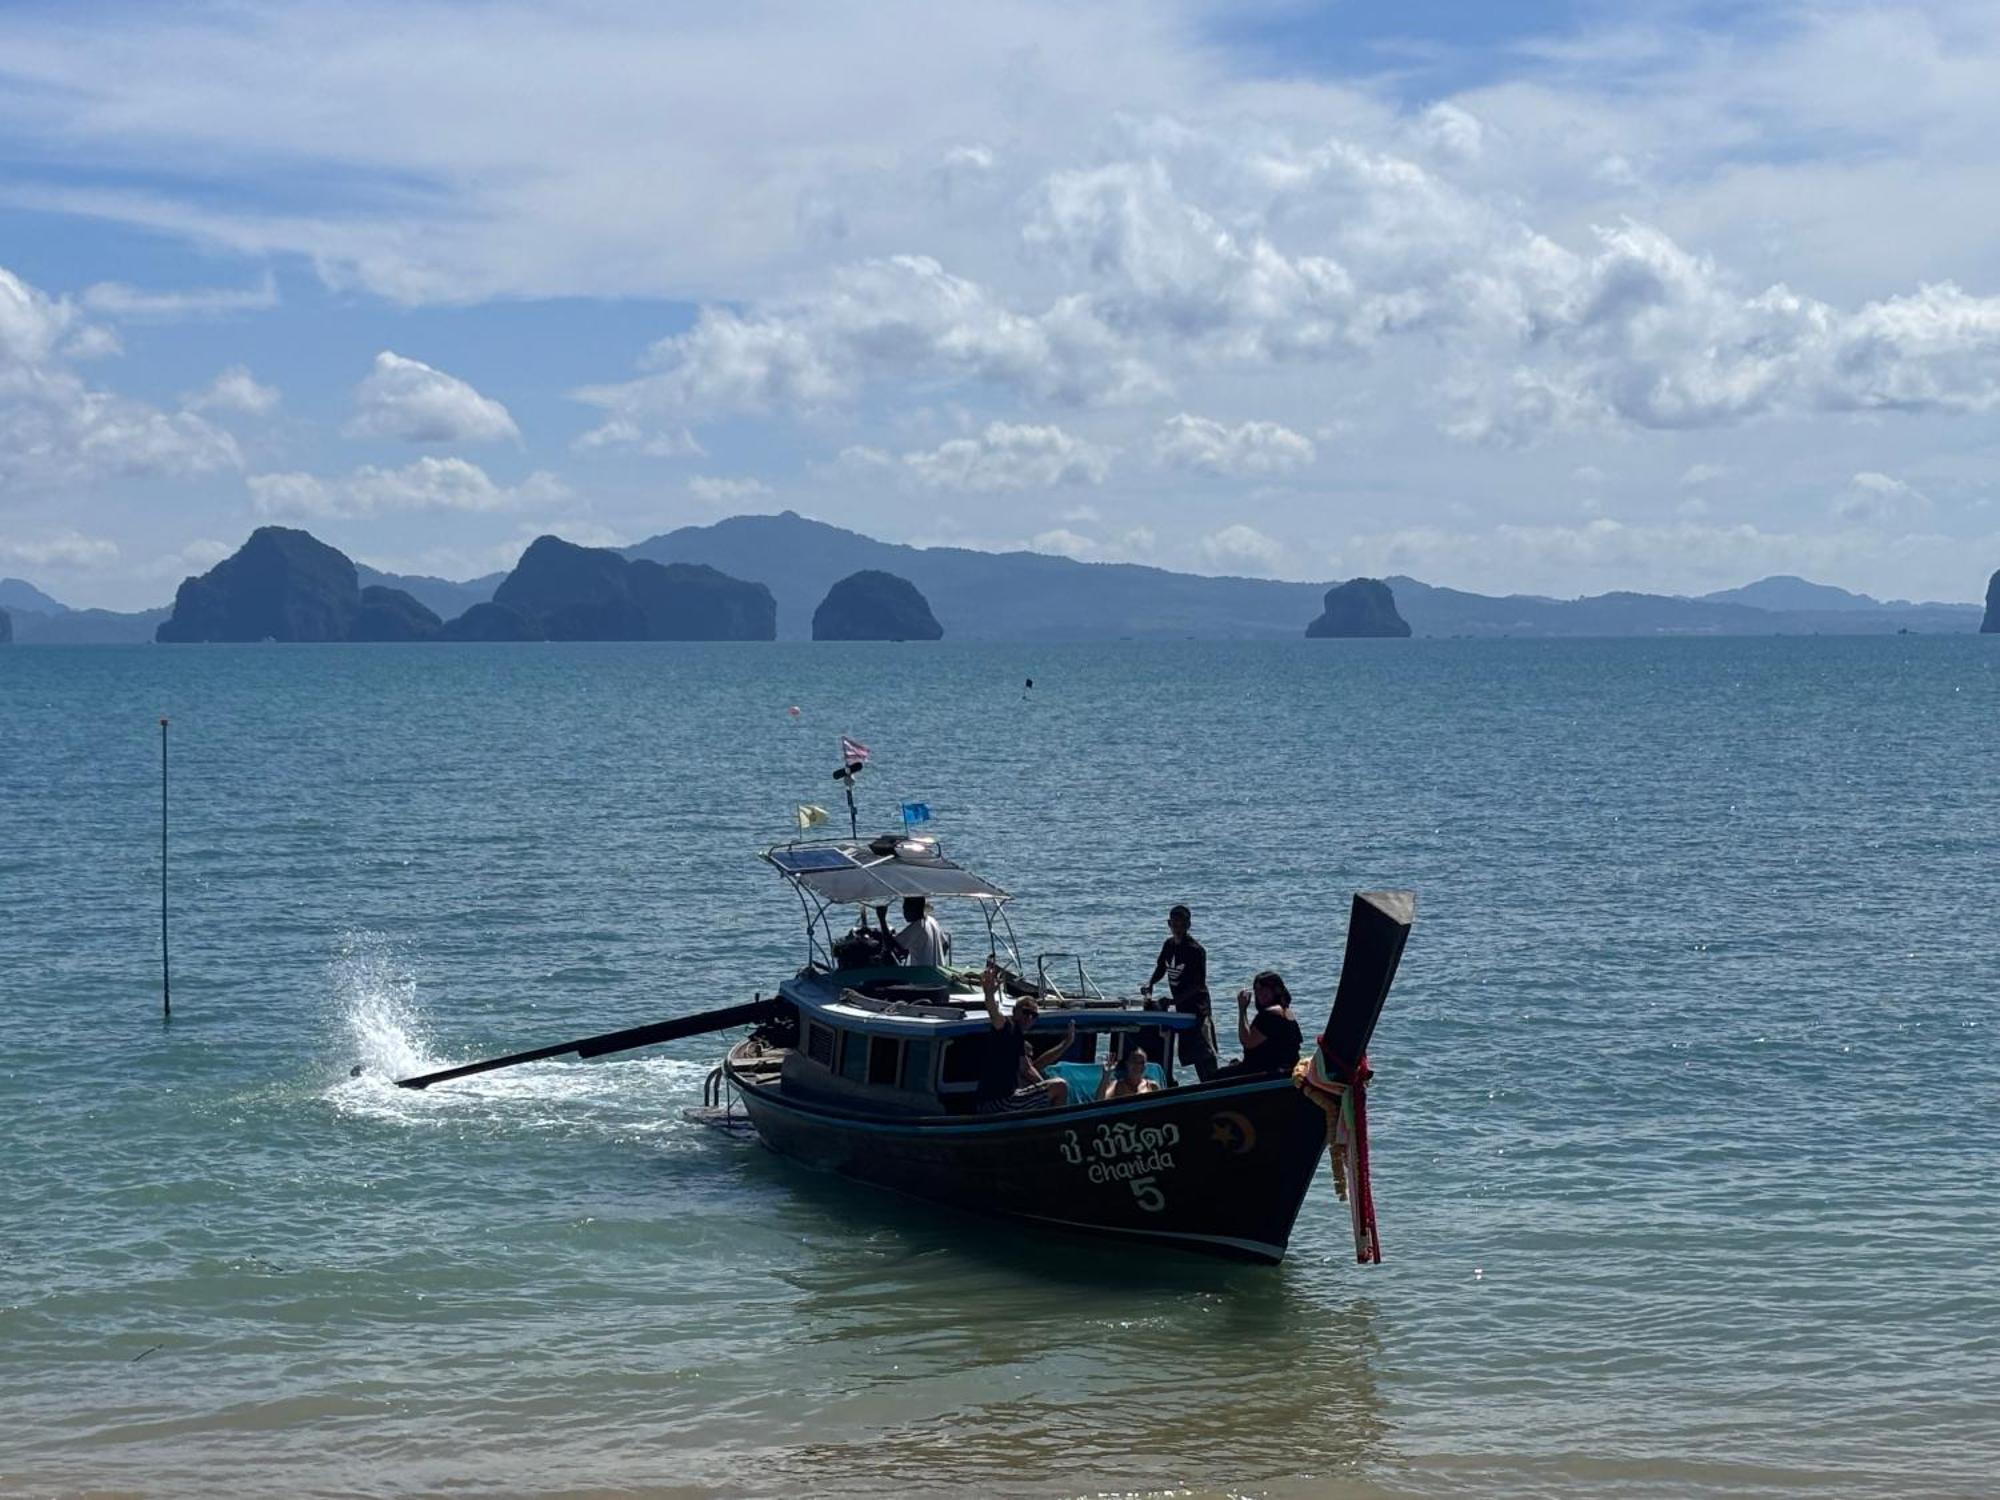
1542,297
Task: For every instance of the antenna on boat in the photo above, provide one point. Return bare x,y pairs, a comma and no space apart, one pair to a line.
853,756
166,977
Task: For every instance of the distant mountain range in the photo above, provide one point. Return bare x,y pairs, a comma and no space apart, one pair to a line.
39,619
1029,596
1032,596
445,599
18,594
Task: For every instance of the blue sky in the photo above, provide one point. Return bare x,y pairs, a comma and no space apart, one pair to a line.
1556,297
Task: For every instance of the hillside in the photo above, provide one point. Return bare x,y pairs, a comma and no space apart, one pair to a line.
440,596
17,594
984,596
1026,596
1031,596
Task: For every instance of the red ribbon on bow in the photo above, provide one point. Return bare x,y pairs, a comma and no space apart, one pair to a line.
1346,1108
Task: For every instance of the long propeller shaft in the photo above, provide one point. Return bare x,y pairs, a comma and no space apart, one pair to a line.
746,1014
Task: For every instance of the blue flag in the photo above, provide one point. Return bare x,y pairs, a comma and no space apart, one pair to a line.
915,813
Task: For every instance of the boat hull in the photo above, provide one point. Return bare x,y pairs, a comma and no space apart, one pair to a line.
1219,1169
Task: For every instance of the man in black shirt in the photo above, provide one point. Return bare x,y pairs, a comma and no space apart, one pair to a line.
1010,1074
1184,962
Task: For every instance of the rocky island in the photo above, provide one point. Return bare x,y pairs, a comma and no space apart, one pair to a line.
388,614
6,627
569,593
286,585
1360,607
1991,624
281,585
875,606
491,622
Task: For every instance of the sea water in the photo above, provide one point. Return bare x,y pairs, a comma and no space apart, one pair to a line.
1686,1122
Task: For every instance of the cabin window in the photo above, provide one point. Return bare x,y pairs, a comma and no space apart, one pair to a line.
917,1065
962,1059
885,1056
853,1056
819,1045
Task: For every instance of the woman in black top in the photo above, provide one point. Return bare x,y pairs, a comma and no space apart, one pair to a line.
1271,1039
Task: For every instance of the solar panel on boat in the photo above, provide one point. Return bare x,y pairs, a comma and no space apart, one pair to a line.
803,861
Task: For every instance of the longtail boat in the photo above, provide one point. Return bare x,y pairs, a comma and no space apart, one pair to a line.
869,1068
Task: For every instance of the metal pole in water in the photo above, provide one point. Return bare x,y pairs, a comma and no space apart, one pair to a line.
166,980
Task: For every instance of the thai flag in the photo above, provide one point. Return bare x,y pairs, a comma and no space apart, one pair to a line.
852,752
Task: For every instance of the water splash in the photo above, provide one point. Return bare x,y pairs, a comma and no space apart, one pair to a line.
380,1027
376,993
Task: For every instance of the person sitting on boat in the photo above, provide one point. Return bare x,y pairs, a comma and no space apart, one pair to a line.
1010,1073
1271,1038
1184,962
922,939
1128,1078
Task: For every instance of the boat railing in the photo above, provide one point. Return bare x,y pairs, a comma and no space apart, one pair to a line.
1086,988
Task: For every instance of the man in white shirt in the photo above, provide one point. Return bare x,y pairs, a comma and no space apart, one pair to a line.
922,939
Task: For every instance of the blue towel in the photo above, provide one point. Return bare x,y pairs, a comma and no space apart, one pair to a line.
1084,1078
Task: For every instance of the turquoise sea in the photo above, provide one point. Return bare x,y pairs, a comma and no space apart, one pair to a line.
1686,1122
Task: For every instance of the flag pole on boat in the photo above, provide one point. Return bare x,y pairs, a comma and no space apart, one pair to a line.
166,975
853,756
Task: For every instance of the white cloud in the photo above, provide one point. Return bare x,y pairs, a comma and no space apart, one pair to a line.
408,401
64,549
1450,132
1249,449
1151,275
1645,334
659,158
31,324
1007,457
196,557
1134,544
904,316
58,432
1242,549
624,432
114,299
1879,500
236,390
1062,542
92,341
1003,456
1697,475
718,490
428,484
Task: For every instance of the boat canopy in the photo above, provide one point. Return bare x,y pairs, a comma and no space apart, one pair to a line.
872,872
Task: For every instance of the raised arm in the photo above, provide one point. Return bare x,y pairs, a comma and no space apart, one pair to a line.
989,986
1043,1059
1247,1034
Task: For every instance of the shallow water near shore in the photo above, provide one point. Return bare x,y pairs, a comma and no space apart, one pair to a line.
1684,1129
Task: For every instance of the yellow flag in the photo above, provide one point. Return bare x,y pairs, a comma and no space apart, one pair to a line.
810,816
